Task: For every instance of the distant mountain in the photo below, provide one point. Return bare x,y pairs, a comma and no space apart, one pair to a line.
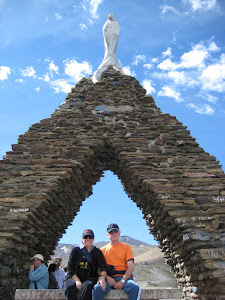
63,250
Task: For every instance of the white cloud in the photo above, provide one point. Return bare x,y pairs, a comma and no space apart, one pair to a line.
83,26
139,58
52,67
4,72
167,65
166,8
210,98
213,77
20,80
147,84
201,109
77,70
128,71
58,17
28,72
94,7
61,85
147,66
37,89
202,4
168,52
180,78
195,57
213,47
168,92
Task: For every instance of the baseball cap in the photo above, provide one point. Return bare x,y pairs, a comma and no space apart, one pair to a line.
88,232
38,256
112,226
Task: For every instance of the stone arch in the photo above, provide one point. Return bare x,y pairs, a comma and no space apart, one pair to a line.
113,125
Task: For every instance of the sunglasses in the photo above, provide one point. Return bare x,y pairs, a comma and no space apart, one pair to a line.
88,237
113,231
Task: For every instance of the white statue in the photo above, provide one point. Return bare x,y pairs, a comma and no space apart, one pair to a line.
111,31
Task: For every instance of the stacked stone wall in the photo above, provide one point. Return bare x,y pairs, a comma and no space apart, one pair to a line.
113,125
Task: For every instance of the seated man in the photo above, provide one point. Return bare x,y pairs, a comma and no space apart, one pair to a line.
38,274
120,263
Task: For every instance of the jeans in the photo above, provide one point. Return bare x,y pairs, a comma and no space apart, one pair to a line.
129,287
71,289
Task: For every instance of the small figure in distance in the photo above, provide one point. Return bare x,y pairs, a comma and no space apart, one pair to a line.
59,274
53,284
38,275
120,265
85,265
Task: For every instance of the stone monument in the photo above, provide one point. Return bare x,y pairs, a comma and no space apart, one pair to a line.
113,125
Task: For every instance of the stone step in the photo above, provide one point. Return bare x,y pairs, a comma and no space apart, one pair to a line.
151,293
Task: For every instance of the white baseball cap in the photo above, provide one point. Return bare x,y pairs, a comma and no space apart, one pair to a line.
38,256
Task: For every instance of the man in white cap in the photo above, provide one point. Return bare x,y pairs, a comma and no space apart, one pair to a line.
120,265
38,274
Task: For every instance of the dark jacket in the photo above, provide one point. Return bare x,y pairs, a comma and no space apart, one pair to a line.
53,284
77,260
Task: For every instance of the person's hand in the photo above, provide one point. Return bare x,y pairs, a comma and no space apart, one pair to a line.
31,267
102,283
118,285
78,285
110,280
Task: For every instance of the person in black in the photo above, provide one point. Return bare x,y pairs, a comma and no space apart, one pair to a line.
85,265
53,284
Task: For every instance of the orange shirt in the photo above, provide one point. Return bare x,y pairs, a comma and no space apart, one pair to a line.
117,255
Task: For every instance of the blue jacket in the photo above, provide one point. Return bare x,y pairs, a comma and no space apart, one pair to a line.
41,276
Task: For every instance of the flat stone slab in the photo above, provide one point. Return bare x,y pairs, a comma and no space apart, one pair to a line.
146,294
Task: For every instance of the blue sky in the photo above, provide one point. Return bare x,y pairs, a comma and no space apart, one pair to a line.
176,49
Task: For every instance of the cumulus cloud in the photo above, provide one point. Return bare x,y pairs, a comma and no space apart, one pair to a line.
168,65
20,80
147,66
128,71
53,68
166,8
197,5
168,52
138,59
77,70
180,78
168,92
28,72
195,58
61,85
83,26
213,77
58,17
94,7
37,89
203,109
4,72
147,84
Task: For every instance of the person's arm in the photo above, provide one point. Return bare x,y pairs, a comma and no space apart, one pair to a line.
37,274
78,282
130,269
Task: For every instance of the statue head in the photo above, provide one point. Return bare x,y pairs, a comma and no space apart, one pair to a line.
111,17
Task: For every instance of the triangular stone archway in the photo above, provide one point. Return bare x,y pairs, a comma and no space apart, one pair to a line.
113,125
